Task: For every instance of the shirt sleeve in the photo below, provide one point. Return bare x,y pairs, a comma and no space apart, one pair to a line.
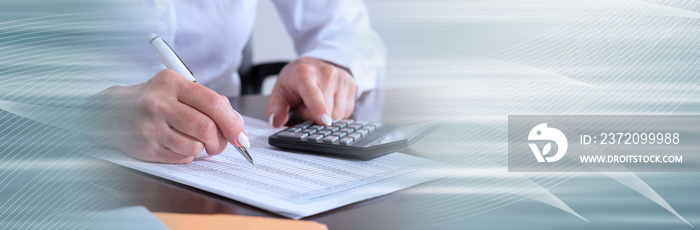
338,32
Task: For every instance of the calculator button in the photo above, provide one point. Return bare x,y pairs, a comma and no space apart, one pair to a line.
363,132
339,134
340,125
362,123
370,128
316,127
376,124
355,136
324,132
315,137
331,128
330,139
304,125
293,129
346,141
355,126
291,135
347,121
347,130
309,131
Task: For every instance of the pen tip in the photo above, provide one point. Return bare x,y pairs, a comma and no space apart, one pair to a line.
245,154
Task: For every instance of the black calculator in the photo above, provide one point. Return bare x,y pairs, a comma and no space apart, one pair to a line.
348,138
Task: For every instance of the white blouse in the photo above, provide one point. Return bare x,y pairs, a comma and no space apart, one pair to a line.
209,36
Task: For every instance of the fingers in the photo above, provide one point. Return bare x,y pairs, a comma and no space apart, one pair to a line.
162,154
341,102
350,99
218,109
231,106
350,105
165,155
314,100
175,119
192,123
278,107
343,108
180,143
318,90
303,113
242,137
328,84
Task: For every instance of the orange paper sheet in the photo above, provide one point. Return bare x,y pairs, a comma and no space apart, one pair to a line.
177,221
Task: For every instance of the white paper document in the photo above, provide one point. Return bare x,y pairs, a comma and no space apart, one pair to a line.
292,184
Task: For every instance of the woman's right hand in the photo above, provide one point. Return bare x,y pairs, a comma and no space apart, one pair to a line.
169,119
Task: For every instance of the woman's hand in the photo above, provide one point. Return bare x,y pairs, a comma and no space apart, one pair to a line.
318,90
170,119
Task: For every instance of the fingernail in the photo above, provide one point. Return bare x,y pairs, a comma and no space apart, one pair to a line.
272,119
243,140
326,120
239,115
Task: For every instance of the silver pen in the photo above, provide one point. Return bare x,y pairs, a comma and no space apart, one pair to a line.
172,61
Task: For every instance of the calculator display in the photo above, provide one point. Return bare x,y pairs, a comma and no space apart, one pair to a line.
404,133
